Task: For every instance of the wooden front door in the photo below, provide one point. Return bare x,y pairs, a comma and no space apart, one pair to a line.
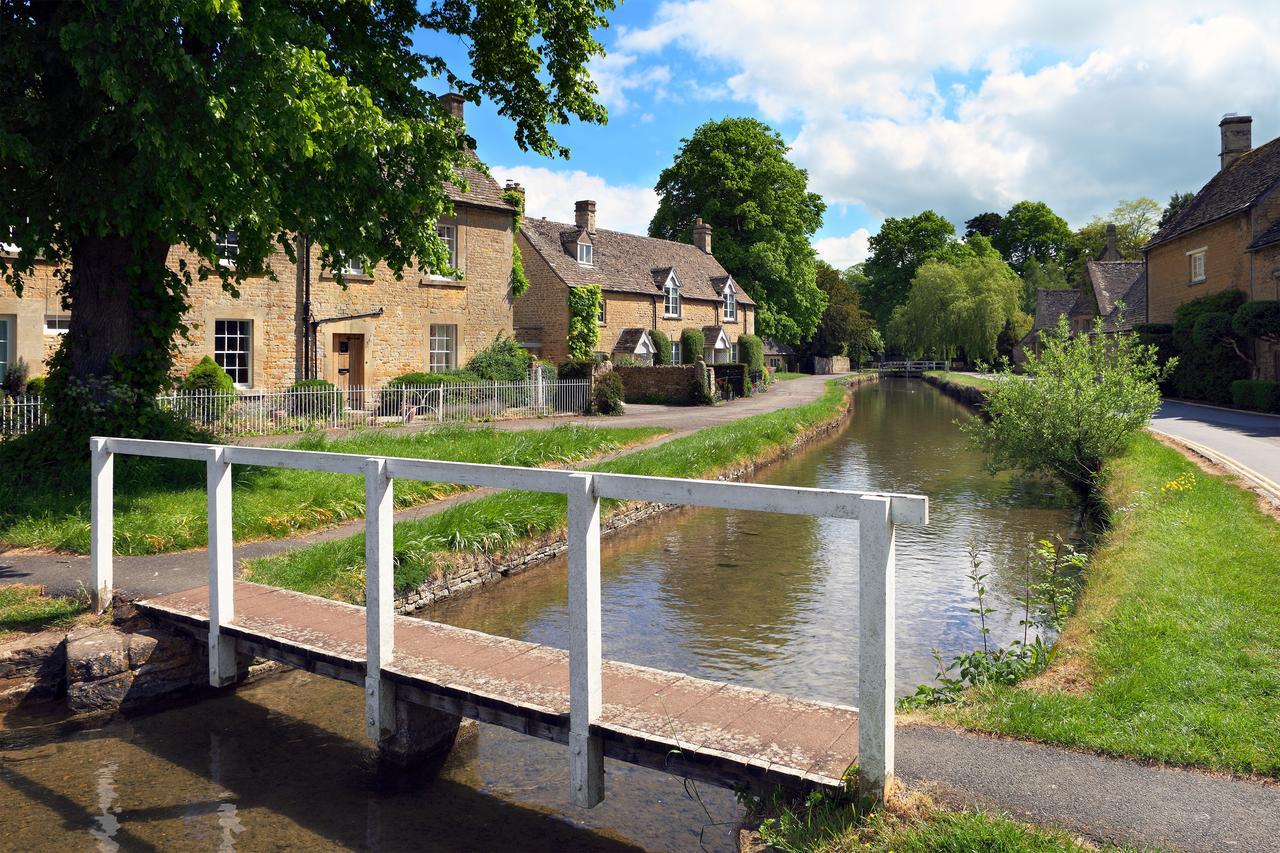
348,368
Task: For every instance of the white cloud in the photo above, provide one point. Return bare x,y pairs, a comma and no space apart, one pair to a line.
842,252
551,193
970,107
616,73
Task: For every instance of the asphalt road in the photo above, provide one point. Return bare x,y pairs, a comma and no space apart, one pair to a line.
1251,441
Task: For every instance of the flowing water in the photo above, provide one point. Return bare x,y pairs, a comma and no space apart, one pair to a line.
759,600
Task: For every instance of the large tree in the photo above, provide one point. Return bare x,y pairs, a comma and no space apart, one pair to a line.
1032,230
986,224
897,251
734,173
1177,203
845,329
1136,223
130,126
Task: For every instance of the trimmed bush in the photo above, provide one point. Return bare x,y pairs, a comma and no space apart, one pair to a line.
504,360
1205,372
692,343
314,398
208,378
1258,320
14,381
1256,394
580,369
699,393
584,327
662,344
751,353
607,394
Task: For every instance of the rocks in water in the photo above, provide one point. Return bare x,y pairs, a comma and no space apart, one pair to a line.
32,668
107,668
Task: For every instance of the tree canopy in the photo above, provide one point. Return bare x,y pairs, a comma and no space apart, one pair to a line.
897,251
846,329
986,224
1032,230
734,173
1177,202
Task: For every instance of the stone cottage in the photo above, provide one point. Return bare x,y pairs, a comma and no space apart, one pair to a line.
304,324
1227,237
646,284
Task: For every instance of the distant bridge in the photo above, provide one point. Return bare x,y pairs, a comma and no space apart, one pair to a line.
911,368
690,727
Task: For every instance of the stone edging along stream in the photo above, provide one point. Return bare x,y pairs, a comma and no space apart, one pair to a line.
468,572
970,395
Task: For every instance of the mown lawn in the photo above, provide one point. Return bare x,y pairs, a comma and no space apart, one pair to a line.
783,375
161,504
1173,653
422,546
961,379
23,609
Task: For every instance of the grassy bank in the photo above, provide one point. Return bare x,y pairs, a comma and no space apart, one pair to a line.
24,609
1173,653
494,523
161,505
961,379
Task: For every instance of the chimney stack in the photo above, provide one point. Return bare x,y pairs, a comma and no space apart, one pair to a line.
1237,138
514,187
584,216
1112,253
454,103
702,235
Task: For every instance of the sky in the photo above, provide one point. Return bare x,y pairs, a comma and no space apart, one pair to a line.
896,107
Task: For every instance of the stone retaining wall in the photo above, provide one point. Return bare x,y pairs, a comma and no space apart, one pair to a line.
967,394
667,384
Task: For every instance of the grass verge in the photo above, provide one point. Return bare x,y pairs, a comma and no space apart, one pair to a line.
783,375
160,504
425,546
24,609
1173,653
961,379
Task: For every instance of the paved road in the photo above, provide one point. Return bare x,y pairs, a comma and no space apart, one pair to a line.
1241,440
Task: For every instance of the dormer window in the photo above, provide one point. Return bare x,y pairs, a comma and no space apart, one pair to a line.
586,254
226,245
671,297
730,303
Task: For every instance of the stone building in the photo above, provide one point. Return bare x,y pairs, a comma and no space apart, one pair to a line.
301,323
646,284
1227,237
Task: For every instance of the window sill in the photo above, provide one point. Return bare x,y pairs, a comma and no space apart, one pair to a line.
1194,282
441,281
348,279
671,316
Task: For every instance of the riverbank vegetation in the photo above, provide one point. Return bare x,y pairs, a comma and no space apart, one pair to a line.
161,504
495,523
25,608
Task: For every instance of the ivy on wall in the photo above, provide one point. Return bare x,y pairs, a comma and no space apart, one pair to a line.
519,281
584,330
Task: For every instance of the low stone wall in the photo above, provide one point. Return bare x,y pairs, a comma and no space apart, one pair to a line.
468,572
835,364
967,394
668,384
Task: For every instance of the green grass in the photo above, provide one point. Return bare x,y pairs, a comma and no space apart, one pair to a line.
1173,653
161,505
428,545
24,609
961,379
783,375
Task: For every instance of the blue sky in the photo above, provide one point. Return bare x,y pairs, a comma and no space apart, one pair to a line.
894,108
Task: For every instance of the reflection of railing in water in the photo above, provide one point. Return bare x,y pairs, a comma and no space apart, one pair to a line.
583,727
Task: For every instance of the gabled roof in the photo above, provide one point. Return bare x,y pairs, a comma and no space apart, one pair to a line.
482,189
772,347
633,340
1232,190
713,335
1111,281
1266,238
628,263
1052,303
1134,298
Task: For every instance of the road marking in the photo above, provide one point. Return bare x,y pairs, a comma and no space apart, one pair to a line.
1271,487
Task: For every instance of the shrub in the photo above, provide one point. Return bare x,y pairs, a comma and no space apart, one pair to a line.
751,353
207,378
35,385
699,392
1258,320
580,369
14,381
662,344
584,328
504,360
692,342
1206,366
314,398
1256,394
406,390
607,394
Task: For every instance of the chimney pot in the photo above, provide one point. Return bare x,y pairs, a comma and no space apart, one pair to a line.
702,235
454,103
584,216
1237,138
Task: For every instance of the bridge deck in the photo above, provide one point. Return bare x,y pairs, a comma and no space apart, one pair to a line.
706,730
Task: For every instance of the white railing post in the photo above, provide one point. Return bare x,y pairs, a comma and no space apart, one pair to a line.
586,751
875,646
102,522
222,649
379,600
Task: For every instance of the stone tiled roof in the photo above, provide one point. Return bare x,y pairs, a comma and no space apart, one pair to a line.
629,339
1111,281
1052,303
1134,298
1266,238
482,189
1232,190
629,263
772,347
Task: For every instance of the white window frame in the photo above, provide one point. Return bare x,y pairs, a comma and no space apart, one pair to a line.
670,297
442,340
57,324
241,374
10,248
675,352
586,254
226,245
448,232
1194,256
6,341
730,303
602,316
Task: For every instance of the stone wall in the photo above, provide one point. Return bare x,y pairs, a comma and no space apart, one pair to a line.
970,395
834,364
670,384
1226,266
541,315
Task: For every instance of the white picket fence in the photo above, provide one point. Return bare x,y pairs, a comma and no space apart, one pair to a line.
267,412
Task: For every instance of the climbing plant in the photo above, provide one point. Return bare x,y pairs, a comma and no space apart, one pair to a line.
519,281
584,330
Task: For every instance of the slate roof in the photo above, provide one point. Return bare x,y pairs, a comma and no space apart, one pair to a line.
1232,190
1134,298
629,263
772,347
1266,238
1052,303
629,339
482,189
1111,281
711,334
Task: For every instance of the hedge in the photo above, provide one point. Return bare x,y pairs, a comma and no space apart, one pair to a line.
662,344
692,343
751,352
584,324
504,360
607,394
314,398
1256,394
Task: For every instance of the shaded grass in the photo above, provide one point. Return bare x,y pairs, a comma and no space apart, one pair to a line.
426,546
161,504
1176,637
783,375
24,609
961,379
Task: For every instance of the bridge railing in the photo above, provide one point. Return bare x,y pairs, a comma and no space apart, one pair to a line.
877,515
912,366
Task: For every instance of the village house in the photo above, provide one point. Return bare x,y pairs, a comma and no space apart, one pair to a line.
646,284
1227,237
303,323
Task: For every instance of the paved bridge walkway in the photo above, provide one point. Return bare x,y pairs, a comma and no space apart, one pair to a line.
713,732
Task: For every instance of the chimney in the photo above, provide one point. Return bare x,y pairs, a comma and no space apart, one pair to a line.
1112,253
514,187
584,216
454,103
1237,138
702,235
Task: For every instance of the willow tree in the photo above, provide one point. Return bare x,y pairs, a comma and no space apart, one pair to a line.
131,126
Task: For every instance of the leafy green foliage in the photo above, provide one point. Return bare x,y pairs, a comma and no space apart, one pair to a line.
35,385
1032,230
584,327
897,251
1259,320
662,345
318,398
735,174
1081,402
1136,223
1256,394
207,378
519,280
986,224
504,360
1040,276
1205,372
607,394
420,379
751,353
692,343
14,380
1177,203
846,329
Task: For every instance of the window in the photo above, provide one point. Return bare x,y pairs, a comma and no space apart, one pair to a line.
226,244
586,254
57,324
600,317
730,303
348,268
444,348
675,353
733,353
10,247
232,340
1197,265
449,234
4,345
671,293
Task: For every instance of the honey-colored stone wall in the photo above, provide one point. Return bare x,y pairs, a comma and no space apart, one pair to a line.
542,312
27,339
1226,266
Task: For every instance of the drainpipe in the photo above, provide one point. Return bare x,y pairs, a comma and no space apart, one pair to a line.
308,360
